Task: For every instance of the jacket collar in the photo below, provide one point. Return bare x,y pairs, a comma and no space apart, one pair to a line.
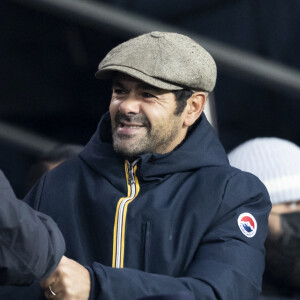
201,148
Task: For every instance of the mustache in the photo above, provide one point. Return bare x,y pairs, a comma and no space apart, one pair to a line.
135,118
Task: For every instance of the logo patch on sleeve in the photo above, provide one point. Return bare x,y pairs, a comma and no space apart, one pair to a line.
247,224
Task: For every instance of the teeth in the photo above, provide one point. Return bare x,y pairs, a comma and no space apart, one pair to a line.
131,126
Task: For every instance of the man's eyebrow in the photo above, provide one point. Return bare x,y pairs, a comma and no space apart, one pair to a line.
118,83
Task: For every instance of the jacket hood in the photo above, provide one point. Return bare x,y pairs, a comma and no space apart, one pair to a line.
201,148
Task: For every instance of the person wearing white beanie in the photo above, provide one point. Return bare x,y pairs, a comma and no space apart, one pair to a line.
276,162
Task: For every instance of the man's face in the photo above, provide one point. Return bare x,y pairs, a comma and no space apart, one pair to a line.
143,118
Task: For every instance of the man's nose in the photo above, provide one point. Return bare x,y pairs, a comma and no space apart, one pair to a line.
130,105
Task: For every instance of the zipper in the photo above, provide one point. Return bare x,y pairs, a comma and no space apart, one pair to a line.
121,213
146,245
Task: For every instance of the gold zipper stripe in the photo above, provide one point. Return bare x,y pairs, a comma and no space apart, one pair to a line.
137,189
116,219
120,217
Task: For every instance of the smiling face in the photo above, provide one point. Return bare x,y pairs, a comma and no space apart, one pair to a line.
143,118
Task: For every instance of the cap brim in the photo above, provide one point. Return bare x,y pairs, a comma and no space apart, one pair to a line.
107,72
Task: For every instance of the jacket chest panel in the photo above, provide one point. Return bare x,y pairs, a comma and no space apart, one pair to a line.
160,232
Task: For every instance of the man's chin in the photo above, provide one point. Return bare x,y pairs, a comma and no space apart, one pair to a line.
127,153
126,148
130,145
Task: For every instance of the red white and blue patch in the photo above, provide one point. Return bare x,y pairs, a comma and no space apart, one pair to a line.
247,224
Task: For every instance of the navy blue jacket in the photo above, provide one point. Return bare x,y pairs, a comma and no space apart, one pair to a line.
31,245
162,225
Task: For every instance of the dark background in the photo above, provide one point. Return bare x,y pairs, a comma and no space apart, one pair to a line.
48,63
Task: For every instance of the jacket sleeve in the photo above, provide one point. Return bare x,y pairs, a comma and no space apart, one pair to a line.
228,264
31,244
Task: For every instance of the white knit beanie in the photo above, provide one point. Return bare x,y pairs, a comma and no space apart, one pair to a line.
276,162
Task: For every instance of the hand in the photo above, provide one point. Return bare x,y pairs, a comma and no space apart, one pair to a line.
69,281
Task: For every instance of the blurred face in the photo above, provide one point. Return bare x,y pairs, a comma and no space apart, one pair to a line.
277,210
143,118
282,246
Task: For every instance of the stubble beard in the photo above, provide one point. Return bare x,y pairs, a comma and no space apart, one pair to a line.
155,139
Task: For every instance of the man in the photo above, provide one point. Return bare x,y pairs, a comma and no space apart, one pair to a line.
151,205
31,245
277,163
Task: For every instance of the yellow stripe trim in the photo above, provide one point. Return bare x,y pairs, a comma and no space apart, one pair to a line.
116,219
137,189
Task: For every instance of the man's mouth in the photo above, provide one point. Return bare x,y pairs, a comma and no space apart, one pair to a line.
123,124
126,128
129,126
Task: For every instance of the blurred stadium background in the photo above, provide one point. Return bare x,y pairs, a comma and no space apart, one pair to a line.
50,50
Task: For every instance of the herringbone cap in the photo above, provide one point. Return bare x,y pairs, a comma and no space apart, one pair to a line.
166,60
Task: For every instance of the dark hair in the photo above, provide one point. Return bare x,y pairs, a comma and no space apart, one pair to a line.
57,154
181,97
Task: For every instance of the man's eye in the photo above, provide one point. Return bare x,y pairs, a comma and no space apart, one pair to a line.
148,95
119,91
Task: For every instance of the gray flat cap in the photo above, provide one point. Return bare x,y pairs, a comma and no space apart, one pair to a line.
166,60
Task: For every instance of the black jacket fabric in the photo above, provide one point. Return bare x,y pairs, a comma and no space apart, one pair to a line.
31,244
167,225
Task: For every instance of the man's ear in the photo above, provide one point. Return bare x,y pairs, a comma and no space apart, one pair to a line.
194,107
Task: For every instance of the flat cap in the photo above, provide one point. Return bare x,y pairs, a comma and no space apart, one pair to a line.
166,60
